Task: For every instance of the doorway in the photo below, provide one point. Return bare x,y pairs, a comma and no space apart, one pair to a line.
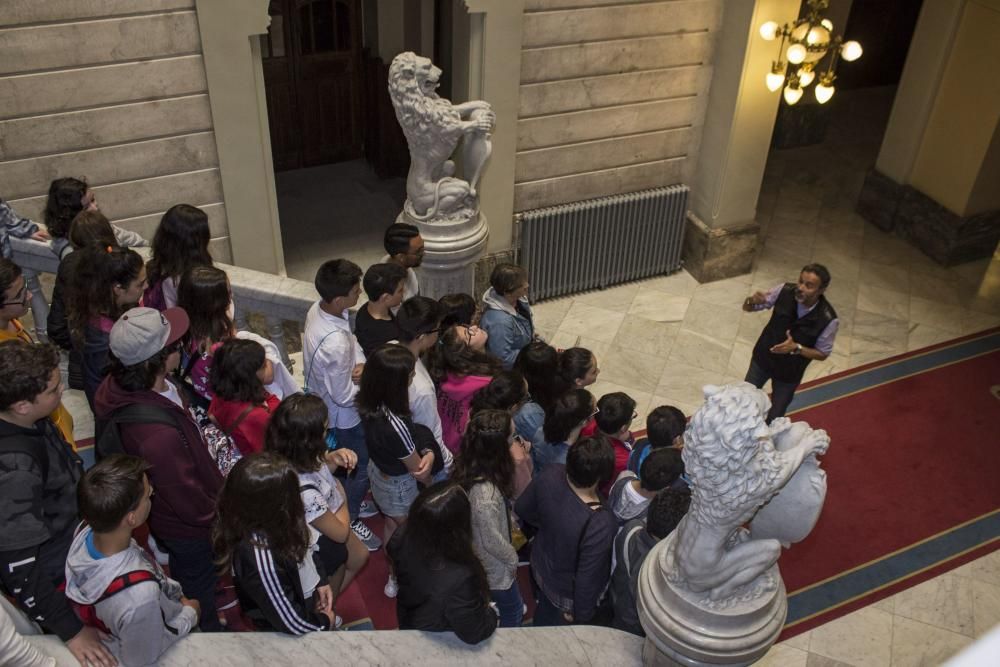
312,72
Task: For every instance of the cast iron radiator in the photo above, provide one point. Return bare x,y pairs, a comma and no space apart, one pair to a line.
602,242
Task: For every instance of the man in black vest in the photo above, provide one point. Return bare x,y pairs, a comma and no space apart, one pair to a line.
802,328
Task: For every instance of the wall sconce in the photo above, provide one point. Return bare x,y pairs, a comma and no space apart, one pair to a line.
809,39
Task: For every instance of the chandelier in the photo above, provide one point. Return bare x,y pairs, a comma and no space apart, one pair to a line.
809,39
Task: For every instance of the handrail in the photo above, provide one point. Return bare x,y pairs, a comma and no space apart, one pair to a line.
277,298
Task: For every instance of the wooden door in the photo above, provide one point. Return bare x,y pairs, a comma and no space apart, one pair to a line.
312,56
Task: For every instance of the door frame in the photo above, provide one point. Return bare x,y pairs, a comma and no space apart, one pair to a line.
235,74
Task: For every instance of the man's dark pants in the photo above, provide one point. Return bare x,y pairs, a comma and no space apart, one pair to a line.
781,392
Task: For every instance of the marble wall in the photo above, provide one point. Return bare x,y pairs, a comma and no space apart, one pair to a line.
612,96
114,91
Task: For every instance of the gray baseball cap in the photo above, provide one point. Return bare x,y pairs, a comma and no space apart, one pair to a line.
142,332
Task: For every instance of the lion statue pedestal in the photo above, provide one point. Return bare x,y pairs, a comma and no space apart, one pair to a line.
443,205
711,593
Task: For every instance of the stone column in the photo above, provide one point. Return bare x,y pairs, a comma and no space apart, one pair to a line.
452,249
722,230
937,178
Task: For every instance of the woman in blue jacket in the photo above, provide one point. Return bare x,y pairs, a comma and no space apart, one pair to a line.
507,315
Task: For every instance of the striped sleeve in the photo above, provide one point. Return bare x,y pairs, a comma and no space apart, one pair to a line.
403,431
288,613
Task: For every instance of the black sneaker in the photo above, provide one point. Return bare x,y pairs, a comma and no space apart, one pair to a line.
365,534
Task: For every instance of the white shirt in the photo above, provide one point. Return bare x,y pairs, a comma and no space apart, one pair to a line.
172,394
284,384
329,353
423,406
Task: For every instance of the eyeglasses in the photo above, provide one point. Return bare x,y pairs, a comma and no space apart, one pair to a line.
20,298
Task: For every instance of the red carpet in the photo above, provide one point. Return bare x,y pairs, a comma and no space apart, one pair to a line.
911,457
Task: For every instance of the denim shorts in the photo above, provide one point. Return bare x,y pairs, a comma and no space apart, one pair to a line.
394,495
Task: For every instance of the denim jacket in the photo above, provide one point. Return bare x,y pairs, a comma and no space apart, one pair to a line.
509,329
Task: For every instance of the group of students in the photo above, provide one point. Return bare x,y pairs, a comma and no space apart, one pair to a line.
472,436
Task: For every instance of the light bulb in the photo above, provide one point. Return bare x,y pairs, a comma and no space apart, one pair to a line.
769,30
823,93
827,23
814,36
851,51
796,54
792,95
806,77
774,81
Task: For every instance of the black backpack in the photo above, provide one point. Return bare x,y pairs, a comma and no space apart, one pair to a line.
110,441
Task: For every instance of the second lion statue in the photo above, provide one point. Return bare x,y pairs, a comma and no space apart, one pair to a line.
433,126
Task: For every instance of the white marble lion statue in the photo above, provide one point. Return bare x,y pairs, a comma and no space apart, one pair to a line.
735,468
433,127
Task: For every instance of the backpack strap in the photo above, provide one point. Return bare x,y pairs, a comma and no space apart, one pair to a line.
127,580
628,539
309,487
236,422
312,360
135,413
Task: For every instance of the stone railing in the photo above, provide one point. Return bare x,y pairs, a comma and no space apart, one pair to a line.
276,298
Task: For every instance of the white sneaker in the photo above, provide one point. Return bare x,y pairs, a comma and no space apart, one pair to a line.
391,589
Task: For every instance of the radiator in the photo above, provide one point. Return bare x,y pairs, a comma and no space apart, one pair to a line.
602,242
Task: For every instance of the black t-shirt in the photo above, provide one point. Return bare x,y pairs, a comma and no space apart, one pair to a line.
392,438
371,332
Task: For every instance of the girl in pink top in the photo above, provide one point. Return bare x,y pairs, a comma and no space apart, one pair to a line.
461,366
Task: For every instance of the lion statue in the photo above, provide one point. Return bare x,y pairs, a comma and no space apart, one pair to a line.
433,127
735,468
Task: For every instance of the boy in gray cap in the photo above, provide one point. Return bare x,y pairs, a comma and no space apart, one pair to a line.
145,350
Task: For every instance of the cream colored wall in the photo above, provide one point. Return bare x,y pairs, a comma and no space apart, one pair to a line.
114,91
985,194
740,116
612,95
965,114
229,32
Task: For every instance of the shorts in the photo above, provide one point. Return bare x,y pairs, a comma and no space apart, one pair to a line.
394,495
333,554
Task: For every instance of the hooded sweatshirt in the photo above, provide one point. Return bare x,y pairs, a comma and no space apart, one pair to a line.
454,399
509,328
625,502
144,619
186,478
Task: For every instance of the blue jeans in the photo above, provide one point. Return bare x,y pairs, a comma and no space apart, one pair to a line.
510,605
781,392
356,484
191,564
546,613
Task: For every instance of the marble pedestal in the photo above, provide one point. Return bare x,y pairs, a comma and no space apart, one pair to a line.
451,250
716,254
681,629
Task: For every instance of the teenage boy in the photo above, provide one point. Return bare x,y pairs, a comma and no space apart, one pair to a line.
404,246
38,476
145,351
16,296
630,494
141,608
333,361
633,544
419,320
375,323
664,428
615,412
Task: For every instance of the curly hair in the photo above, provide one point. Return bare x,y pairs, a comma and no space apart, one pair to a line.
297,431
26,370
260,503
64,202
418,113
141,376
234,371
485,452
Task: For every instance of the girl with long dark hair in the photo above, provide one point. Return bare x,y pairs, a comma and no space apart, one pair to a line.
484,468
402,454
578,367
180,244
461,366
260,533
204,293
297,431
442,584
109,281
508,392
